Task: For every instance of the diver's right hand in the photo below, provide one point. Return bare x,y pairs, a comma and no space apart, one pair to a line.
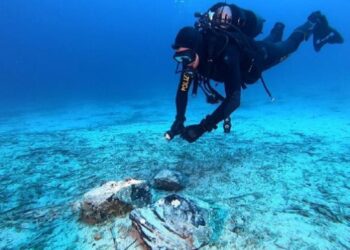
176,129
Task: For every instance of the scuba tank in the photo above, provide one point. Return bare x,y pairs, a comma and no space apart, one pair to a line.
247,21
244,20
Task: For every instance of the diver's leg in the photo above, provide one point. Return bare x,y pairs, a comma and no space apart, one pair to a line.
316,25
278,52
276,33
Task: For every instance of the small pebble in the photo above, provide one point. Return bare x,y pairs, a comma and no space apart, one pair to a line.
97,236
238,230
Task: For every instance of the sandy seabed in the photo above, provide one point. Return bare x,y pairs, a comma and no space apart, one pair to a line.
282,174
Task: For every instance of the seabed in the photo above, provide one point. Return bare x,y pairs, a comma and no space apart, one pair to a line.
282,174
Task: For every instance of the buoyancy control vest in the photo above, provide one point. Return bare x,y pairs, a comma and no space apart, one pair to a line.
240,27
243,27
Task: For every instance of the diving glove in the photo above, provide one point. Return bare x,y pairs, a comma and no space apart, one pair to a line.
194,132
176,129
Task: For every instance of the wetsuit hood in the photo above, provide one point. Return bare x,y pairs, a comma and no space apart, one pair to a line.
189,37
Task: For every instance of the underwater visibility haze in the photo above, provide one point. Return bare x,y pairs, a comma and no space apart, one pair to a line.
87,91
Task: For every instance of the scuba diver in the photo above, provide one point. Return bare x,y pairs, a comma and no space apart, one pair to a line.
222,47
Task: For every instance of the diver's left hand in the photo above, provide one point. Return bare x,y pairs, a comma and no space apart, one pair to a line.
193,132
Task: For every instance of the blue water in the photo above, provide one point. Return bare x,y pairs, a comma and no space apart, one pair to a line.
87,89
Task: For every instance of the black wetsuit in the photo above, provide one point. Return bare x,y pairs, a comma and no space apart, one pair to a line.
229,67
274,53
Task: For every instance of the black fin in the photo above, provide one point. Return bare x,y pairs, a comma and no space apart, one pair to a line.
322,32
330,36
276,34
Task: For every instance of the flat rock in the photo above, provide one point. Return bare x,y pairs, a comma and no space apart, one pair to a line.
169,180
175,222
114,199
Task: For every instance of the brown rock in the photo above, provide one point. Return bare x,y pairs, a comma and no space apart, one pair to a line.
113,199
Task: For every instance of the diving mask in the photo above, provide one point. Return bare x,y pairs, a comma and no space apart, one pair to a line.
185,57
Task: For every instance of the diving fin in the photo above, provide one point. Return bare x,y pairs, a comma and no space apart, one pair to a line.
322,32
276,33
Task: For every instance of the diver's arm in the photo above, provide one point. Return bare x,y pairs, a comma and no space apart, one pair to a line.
232,90
230,103
182,96
181,104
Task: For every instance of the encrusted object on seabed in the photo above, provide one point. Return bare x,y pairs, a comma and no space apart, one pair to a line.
113,199
176,222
